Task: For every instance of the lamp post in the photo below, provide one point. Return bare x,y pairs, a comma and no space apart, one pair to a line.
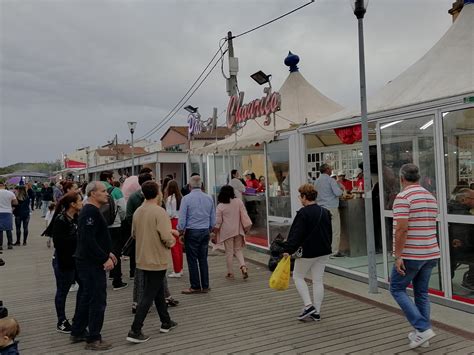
360,7
131,127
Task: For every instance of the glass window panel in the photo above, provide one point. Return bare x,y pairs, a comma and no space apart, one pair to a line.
458,130
461,252
255,203
278,184
408,141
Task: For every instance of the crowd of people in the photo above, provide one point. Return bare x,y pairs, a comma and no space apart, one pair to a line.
90,230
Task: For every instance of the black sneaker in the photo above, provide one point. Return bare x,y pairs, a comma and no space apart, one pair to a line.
307,311
120,286
137,338
316,317
166,327
64,327
10,246
171,302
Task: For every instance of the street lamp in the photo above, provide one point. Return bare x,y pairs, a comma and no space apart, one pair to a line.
360,7
261,78
191,109
131,127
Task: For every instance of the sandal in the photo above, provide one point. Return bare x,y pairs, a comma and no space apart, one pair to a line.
229,276
244,270
190,291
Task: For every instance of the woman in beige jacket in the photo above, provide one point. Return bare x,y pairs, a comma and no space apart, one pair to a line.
232,222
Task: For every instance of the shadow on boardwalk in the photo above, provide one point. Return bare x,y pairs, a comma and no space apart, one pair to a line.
235,317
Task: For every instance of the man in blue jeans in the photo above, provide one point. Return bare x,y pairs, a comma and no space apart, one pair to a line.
197,217
93,259
416,252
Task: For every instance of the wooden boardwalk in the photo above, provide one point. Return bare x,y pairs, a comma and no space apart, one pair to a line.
235,317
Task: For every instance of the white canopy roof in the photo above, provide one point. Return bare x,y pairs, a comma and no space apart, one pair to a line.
446,70
300,103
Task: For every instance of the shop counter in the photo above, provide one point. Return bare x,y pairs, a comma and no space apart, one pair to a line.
257,209
353,239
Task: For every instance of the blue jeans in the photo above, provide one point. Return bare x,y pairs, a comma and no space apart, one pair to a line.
64,280
90,308
418,272
44,207
196,242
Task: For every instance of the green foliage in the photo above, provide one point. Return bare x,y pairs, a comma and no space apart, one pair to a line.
45,167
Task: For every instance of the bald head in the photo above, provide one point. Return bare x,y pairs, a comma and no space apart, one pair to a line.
466,197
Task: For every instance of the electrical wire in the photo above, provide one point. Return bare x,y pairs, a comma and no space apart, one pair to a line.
154,129
271,21
175,109
166,120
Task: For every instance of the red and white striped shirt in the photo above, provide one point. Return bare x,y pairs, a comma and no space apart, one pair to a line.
420,208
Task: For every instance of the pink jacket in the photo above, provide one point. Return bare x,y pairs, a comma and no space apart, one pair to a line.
231,219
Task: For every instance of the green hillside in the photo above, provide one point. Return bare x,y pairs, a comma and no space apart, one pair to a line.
46,167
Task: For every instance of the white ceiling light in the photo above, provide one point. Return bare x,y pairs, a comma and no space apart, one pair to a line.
389,124
426,125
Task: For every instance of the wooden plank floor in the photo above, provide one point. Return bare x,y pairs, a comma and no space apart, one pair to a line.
235,317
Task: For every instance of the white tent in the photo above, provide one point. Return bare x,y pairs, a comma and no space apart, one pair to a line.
446,70
300,103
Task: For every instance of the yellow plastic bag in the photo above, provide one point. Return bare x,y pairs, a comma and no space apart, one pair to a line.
280,278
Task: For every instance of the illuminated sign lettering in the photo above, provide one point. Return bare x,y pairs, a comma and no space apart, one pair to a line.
237,112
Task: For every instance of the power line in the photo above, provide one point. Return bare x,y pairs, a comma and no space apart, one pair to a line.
175,109
271,21
153,130
167,119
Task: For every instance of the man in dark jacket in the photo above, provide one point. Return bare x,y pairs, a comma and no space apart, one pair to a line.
93,259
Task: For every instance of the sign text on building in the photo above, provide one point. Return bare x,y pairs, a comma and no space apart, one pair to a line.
237,112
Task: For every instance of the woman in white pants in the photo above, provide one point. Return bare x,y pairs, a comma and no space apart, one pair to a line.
310,236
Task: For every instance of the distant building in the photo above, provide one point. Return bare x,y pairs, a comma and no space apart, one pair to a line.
176,138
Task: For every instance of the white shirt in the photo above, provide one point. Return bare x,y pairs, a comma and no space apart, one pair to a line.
6,198
238,187
171,206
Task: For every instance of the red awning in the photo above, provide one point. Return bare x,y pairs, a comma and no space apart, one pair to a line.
68,163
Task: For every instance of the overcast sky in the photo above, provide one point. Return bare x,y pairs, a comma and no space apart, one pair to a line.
73,72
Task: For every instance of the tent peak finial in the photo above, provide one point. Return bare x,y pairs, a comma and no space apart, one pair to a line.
291,61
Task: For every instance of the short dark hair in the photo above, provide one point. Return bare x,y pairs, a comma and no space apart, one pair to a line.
150,190
142,178
195,174
105,175
145,170
232,173
410,172
226,194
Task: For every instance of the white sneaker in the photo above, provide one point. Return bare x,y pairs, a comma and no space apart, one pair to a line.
412,336
74,288
176,275
421,338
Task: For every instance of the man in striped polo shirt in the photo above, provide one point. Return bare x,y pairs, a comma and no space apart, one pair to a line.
416,252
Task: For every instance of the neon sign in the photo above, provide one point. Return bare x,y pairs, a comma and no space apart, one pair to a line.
237,112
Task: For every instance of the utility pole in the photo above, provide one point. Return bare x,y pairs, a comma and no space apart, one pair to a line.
233,67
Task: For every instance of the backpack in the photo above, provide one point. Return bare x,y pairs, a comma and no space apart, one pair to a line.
109,210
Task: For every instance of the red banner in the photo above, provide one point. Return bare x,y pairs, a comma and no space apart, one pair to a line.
349,135
73,164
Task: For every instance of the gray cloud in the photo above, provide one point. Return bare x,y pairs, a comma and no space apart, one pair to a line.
73,72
